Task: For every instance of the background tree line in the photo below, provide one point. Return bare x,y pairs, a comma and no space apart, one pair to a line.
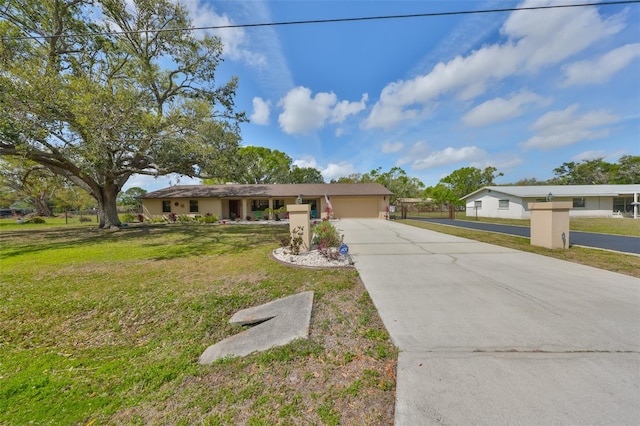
27,184
85,105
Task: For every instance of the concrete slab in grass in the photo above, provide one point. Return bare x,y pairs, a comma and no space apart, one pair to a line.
278,323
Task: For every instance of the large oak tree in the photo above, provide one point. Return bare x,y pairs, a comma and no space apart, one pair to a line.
99,90
260,165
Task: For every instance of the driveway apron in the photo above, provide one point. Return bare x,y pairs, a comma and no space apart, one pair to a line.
489,335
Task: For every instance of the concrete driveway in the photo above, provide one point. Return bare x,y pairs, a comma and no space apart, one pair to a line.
489,335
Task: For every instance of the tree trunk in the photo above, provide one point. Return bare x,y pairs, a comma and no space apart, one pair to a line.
42,207
107,209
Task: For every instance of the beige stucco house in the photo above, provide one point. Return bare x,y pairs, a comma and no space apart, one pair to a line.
348,200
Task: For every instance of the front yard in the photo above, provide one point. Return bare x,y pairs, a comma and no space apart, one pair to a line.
104,327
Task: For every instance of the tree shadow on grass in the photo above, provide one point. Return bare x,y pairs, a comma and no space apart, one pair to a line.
179,240
197,240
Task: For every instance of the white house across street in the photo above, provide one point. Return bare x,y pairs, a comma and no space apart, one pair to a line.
511,202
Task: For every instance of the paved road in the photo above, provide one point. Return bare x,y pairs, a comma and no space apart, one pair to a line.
625,244
493,336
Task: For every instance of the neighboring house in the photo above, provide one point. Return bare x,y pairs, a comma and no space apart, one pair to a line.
588,200
230,201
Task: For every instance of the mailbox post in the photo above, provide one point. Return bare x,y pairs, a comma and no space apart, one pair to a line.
550,224
299,218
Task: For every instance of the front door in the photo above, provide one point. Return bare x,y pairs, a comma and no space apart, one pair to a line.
234,209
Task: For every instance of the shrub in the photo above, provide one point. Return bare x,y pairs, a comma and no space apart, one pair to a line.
183,218
326,235
208,218
276,212
327,238
128,217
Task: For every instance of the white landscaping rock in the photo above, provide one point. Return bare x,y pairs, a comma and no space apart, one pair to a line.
311,259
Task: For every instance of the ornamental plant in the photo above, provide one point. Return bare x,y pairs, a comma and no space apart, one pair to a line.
328,239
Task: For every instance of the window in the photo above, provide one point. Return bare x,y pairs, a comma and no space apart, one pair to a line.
259,205
193,206
579,202
477,204
278,204
166,206
503,204
623,204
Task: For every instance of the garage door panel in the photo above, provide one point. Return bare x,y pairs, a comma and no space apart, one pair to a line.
355,207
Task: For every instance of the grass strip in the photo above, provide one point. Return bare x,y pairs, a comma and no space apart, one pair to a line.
611,261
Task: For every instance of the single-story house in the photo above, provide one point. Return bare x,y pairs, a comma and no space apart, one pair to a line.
588,200
231,201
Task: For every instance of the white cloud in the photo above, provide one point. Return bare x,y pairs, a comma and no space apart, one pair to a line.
306,161
332,171
303,113
335,171
344,109
500,109
560,128
551,36
503,162
533,42
234,40
449,155
261,111
601,69
392,147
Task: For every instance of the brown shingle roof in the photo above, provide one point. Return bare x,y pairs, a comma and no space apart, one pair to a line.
265,190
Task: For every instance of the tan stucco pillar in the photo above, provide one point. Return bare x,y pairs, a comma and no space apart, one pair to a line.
549,223
245,211
299,217
270,209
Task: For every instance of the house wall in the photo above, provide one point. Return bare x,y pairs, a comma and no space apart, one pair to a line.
491,206
594,206
153,207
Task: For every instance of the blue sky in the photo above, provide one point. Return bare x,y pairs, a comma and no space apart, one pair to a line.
521,91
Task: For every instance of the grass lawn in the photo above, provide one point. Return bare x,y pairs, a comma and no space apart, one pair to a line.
50,222
103,327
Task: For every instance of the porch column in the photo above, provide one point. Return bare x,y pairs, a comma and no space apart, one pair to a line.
244,212
271,209
635,205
